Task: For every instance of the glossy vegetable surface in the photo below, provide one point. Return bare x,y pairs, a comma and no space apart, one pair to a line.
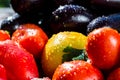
103,47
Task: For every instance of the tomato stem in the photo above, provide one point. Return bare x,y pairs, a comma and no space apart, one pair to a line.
74,54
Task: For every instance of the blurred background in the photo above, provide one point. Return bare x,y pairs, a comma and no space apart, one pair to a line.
4,3
5,9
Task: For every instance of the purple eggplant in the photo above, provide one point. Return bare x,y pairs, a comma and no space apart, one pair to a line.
105,7
112,21
70,18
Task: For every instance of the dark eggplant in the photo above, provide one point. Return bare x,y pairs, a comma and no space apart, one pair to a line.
32,6
63,2
107,3
70,18
112,21
13,22
105,7
84,3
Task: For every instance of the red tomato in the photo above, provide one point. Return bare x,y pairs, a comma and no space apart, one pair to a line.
4,35
103,47
3,75
19,64
31,37
77,70
115,75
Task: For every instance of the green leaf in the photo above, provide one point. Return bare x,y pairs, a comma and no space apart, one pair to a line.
74,54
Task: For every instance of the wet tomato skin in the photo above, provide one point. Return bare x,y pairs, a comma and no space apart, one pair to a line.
3,75
77,70
103,47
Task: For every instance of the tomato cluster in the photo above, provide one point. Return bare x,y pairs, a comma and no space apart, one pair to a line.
103,51
32,52
101,46
18,54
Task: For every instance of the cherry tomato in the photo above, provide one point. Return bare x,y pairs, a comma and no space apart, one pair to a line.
77,70
103,47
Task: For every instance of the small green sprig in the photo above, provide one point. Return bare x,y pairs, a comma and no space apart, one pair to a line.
74,54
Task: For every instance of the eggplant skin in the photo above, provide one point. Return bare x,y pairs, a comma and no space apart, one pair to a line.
70,18
106,3
31,6
112,21
12,22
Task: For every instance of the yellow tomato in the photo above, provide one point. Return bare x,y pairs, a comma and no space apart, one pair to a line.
53,51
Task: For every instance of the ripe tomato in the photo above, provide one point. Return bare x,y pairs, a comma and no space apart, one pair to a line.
77,70
19,64
3,75
103,47
31,37
4,35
